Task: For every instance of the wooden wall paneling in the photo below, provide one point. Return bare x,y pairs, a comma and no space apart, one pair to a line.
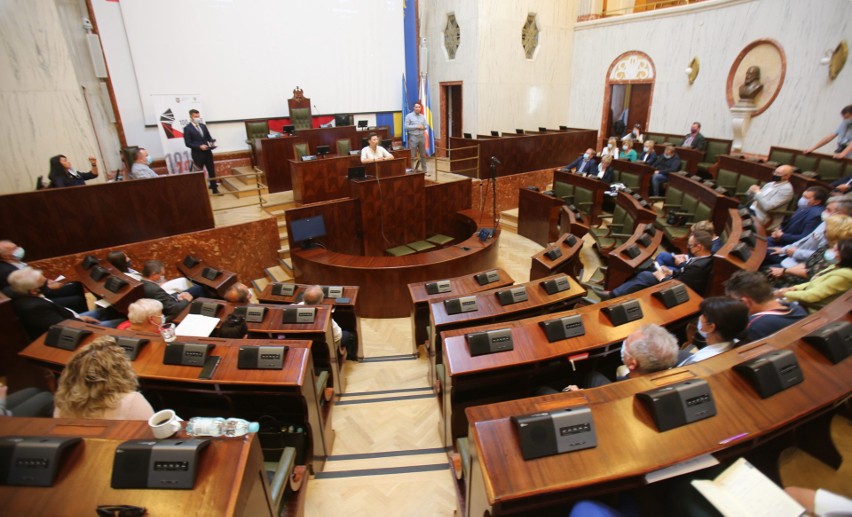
393,211
443,200
342,224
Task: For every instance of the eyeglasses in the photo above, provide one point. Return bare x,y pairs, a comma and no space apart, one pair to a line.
121,511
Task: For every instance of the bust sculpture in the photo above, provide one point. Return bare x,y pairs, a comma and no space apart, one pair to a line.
752,85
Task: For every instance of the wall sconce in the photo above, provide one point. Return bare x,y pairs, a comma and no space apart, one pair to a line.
692,70
835,59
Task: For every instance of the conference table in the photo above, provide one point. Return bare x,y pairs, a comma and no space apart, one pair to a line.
230,480
629,446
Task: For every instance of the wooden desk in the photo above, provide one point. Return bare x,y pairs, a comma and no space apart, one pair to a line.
459,286
230,391
724,264
345,314
488,310
324,179
629,445
231,479
542,266
274,154
538,216
534,361
620,267
120,300
219,285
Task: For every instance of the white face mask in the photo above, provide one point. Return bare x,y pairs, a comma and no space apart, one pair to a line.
647,149
196,120
18,253
802,202
701,329
824,215
625,147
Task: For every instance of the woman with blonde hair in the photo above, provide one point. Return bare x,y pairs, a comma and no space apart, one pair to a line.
99,382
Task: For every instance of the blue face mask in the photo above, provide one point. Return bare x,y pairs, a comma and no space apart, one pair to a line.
18,253
830,256
149,159
587,156
803,203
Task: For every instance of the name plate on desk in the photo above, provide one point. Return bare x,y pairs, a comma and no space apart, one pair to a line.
489,342
441,286
131,345
555,432
32,460
679,404
623,312
261,357
283,289
252,314
513,295
66,338
833,340
205,308
463,304
170,464
487,277
332,291
186,354
673,296
300,314
563,328
772,372
556,285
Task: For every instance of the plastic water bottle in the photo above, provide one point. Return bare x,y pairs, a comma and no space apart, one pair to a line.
203,426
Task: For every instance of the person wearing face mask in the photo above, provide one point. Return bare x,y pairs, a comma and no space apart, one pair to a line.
63,174
144,315
604,170
141,167
153,275
584,164
69,294
611,148
627,151
694,138
648,155
843,134
720,323
766,315
663,166
837,228
827,284
800,251
774,195
636,135
121,262
803,221
198,139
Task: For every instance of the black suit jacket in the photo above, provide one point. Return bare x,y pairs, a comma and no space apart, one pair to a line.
171,305
696,274
697,143
193,139
591,165
608,174
37,314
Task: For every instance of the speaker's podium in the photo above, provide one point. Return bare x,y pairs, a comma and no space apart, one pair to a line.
392,207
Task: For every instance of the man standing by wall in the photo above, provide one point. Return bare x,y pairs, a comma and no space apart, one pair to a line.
415,123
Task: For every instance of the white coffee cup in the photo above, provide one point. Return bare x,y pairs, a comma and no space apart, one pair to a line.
164,423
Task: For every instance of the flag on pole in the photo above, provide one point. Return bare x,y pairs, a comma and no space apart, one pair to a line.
405,109
426,101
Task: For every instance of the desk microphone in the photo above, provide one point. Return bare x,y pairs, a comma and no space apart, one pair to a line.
495,161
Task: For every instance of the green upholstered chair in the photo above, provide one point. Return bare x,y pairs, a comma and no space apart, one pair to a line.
776,155
129,154
278,473
439,239
805,162
564,191
829,170
672,199
255,129
300,150
400,251
583,199
419,246
703,212
300,118
727,179
712,153
629,180
743,183
344,145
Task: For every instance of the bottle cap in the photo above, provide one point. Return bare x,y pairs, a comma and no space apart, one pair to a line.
254,427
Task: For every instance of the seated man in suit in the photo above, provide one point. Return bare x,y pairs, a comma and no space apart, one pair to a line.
799,252
38,313
772,196
803,221
154,274
666,164
585,163
343,339
695,272
675,261
766,315
68,295
694,138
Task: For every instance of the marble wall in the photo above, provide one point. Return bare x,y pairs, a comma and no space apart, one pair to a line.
715,31
43,104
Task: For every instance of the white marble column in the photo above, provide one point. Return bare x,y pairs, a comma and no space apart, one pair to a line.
740,117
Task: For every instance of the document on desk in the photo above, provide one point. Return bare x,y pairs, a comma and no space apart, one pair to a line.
196,325
176,285
742,490
684,467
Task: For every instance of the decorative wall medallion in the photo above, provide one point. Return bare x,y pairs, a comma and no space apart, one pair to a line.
529,36
452,36
757,74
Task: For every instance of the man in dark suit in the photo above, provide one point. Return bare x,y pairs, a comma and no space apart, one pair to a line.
803,221
69,295
36,312
694,138
664,165
694,274
585,163
153,274
198,139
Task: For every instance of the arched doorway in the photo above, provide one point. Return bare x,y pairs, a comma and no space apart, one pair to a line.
628,94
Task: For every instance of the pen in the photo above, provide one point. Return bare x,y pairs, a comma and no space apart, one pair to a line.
732,438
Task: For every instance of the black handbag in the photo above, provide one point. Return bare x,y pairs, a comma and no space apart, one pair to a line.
675,219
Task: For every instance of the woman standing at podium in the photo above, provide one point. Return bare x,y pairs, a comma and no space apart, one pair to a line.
374,152
99,382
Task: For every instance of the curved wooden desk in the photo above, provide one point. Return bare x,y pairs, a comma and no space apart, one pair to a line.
383,281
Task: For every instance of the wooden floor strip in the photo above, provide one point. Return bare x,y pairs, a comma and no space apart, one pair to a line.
388,454
385,358
384,392
384,399
381,472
